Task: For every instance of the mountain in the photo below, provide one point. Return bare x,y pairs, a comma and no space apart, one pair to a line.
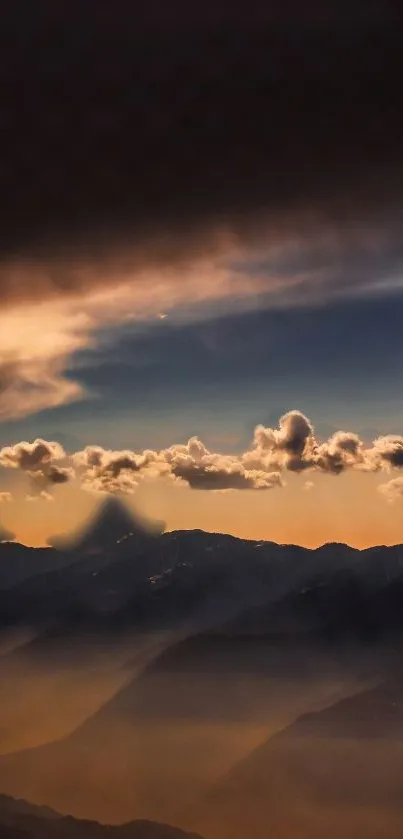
181,578
336,772
19,563
20,820
345,594
64,574
258,634
20,807
192,581
111,523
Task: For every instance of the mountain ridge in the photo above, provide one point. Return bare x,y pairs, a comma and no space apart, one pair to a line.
22,819
164,580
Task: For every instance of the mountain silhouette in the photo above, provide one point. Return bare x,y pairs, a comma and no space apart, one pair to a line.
119,570
111,523
20,820
18,563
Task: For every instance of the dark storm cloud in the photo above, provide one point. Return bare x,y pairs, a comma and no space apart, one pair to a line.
153,126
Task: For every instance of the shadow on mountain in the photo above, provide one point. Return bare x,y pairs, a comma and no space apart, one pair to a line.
111,523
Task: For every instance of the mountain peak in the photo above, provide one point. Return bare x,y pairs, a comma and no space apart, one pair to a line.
111,523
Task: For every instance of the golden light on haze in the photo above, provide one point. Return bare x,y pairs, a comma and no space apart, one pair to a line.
34,521
346,508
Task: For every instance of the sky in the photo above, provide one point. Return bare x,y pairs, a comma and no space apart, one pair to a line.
201,266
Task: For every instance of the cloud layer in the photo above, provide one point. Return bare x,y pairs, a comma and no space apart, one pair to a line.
291,447
172,154
155,125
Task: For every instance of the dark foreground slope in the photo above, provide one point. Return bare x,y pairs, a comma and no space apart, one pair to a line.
18,820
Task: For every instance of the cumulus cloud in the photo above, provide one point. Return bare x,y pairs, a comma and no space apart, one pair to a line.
386,452
290,447
202,469
31,456
343,449
293,446
191,464
40,460
392,490
105,470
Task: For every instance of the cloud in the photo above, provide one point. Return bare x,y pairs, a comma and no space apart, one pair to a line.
294,447
205,158
35,344
38,340
343,449
191,464
31,456
290,447
231,118
386,452
202,469
104,470
393,490
40,460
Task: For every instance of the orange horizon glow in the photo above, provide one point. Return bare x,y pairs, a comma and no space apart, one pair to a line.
345,509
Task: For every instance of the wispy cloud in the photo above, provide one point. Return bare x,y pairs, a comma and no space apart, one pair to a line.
38,340
40,337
